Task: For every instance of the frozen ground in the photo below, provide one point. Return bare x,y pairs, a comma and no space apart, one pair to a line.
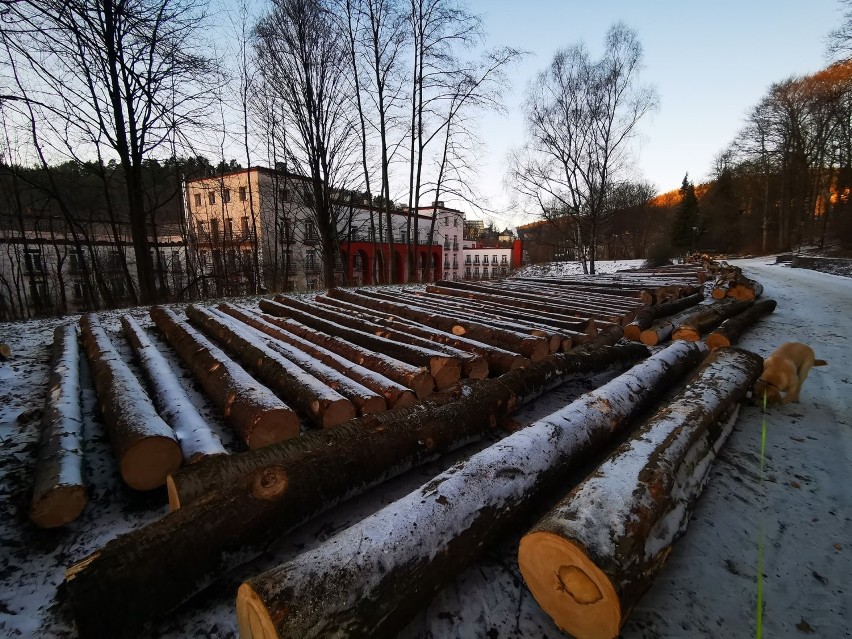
708,588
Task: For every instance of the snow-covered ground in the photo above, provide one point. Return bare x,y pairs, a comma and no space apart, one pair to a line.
708,588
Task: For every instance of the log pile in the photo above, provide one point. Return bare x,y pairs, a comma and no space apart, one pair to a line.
254,497
59,493
590,559
645,317
730,281
732,328
707,318
395,560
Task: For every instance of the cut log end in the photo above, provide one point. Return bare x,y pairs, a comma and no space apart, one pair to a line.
5,351
149,461
555,343
274,426
539,351
569,586
719,293
253,618
686,333
717,340
476,368
632,332
174,494
373,405
406,398
59,506
422,384
445,373
337,412
459,330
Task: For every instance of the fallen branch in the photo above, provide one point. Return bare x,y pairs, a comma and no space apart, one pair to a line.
590,559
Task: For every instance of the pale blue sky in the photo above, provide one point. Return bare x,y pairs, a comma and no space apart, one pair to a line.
710,61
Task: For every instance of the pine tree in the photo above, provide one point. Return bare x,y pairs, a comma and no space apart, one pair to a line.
687,224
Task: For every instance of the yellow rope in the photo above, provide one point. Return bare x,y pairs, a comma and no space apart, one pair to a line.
759,629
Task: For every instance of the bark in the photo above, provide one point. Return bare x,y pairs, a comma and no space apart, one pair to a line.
59,493
471,363
171,401
582,299
365,400
702,321
645,317
417,378
499,360
146,449
535,348
445,370
259,495
372,577
732,328
323,406
394,393
257,416
590,559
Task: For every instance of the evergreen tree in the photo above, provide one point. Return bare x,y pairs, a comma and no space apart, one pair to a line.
687,224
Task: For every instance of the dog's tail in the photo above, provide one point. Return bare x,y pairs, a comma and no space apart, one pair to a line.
820,362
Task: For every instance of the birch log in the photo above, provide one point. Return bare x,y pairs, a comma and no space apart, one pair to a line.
371,578
146,448
171,401
590,559
261,494
254,412
59,494
732,328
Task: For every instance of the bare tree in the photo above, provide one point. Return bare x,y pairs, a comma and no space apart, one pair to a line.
119,73
581,117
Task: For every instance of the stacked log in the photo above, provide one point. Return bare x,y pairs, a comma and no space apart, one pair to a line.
535,348
322,405
263,493
499,360
646,316
590,559
418,379
257,416
732,328
707,318
59,493
146,449
394,561
445,369
297,348
171,401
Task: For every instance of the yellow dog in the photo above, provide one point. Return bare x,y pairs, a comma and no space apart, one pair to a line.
784,371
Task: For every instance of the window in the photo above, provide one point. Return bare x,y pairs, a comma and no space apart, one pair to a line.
226,195
446,221
245,226
32,260
455,222
198,199
242,194
211,197
200,227
467,260
282,194
214,229
494,259
310,261
311,232
467,272
503,260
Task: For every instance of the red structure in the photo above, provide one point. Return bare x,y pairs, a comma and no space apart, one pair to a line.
366,263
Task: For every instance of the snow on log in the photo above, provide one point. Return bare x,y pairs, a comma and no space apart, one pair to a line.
472,365
365,400
590,559
645,317
252,410
146,448
732,328
417,378
535,348
171,401
394,393
693,326
261,494
394,561
445,370
322,405
499,360
59,493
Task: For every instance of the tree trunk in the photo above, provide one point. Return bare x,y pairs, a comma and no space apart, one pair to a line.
146,448
196,439
416,378
471,363
535,348
59,495
395,394
257,416
445,370
499,360
693,326
732,329
261,494
645,317
394,561
590,559
323,406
